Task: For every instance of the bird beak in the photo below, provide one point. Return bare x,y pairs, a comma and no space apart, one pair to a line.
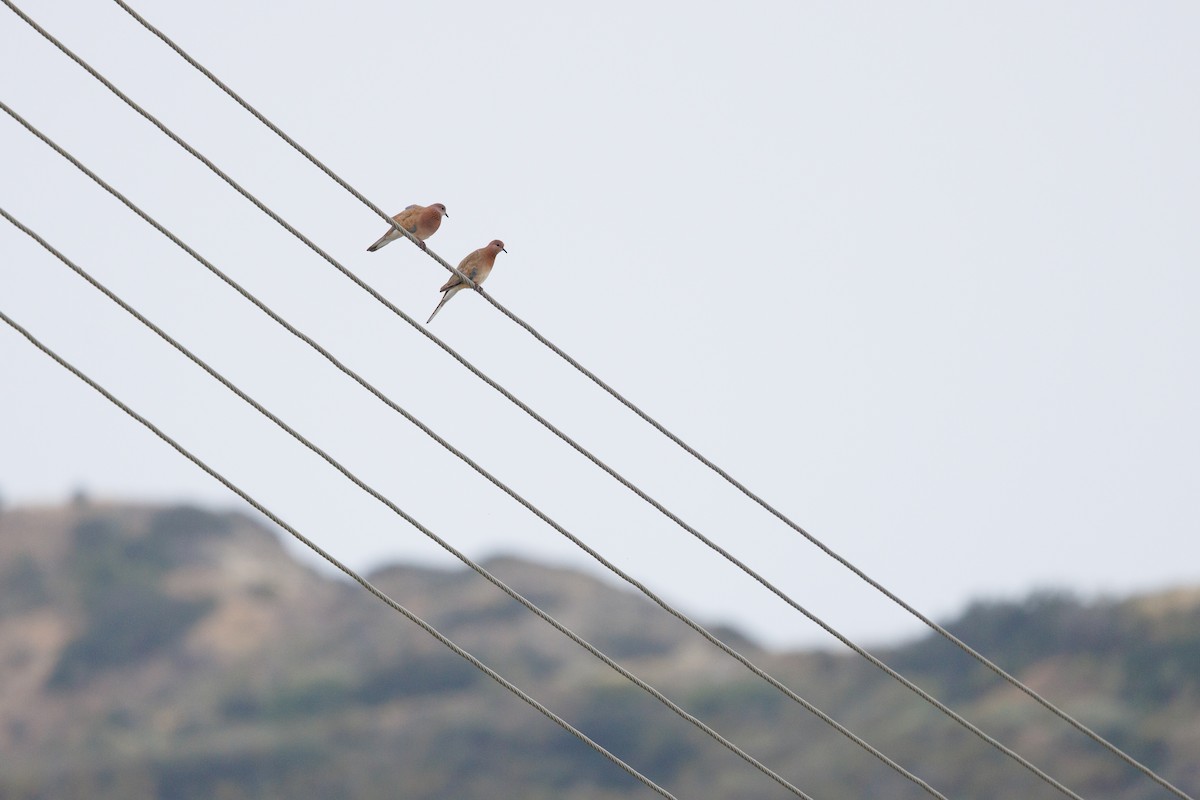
446,214
504,249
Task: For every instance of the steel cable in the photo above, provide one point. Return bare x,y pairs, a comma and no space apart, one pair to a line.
358,281
452,449
475,662
931,624
445,545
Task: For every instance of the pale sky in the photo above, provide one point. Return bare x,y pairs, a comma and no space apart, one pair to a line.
925,276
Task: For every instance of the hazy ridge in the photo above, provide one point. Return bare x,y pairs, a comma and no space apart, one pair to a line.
173,652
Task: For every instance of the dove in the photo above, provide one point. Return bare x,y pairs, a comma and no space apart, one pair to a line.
476,266
420,221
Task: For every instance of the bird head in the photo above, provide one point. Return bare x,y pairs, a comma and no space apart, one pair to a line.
496,245
441,209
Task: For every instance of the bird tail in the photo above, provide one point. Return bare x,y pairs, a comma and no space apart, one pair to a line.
449,293
387,237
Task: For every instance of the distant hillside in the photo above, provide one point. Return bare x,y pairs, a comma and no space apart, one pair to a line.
176,653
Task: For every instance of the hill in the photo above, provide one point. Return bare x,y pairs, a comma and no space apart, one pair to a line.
178,653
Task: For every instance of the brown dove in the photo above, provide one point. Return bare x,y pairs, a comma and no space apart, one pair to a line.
420,221
476,266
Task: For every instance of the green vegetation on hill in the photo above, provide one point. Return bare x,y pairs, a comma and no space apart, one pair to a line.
127,617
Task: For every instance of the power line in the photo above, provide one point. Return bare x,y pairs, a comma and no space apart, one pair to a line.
475,662
940,630
444,443
662,509
445,545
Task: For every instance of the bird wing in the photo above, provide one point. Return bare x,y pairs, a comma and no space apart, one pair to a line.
407,218
469,266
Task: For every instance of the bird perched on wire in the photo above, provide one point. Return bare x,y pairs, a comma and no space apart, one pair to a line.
476,266
420,221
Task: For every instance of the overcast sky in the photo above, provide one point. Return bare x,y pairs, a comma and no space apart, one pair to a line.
925,276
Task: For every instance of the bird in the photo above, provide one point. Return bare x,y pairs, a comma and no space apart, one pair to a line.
420,221
476,266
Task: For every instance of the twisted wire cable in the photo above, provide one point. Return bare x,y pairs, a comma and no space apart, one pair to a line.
445,545
361,581
728,556
451,448
928,622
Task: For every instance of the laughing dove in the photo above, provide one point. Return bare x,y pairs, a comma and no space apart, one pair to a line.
420,221
476,266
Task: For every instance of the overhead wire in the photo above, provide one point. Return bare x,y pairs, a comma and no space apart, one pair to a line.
455,451
445,347
361,581
760,501
444,544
